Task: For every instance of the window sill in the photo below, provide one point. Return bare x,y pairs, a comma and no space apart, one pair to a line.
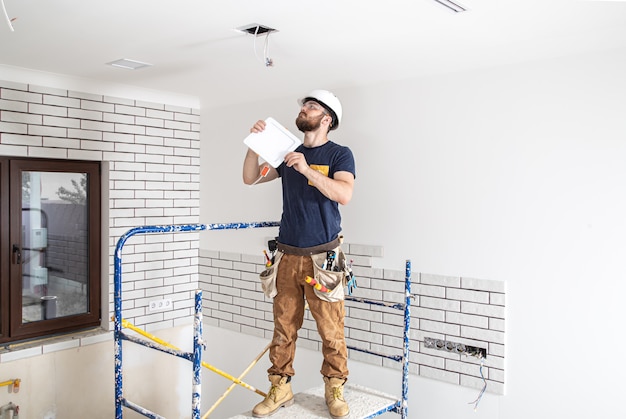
36,347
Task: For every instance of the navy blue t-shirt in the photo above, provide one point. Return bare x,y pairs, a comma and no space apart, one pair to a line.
309,218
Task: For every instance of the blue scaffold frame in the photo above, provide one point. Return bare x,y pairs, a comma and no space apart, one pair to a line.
196,356
401,405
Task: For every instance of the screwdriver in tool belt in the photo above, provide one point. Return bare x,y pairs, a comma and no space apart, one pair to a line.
268,262
309,280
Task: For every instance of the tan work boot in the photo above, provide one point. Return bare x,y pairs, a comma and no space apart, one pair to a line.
333,393
279,395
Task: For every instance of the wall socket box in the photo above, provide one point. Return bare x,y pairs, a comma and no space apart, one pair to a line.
455,347
160,305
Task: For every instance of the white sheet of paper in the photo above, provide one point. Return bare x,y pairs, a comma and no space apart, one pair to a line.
273,143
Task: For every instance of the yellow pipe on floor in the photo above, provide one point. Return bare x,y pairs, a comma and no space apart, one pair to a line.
129,325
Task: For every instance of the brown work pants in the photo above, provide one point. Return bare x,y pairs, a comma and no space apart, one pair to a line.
289,315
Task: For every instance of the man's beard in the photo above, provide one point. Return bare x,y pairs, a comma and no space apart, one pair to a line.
305,124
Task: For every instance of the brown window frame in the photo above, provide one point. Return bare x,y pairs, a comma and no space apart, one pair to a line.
12,328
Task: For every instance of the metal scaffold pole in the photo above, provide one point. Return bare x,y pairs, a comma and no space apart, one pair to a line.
196,356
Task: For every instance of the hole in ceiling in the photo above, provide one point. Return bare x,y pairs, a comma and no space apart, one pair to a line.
256,29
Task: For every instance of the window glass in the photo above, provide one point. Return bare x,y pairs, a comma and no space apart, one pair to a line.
55,274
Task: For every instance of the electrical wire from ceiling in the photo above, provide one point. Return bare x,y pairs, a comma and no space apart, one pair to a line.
267,61
6,15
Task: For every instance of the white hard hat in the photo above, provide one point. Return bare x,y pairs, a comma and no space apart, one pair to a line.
329,101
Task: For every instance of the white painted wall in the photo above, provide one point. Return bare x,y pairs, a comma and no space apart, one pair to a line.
514,174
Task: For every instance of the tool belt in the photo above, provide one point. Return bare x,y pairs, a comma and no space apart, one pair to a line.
309,251
332,276
268,276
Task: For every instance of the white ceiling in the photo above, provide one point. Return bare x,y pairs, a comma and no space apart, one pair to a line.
195,49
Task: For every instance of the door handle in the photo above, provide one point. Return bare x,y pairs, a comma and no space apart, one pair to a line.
17,255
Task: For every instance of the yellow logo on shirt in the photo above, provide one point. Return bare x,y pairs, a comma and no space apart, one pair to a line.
320,168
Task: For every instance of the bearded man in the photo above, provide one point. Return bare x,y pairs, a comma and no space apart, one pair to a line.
316,177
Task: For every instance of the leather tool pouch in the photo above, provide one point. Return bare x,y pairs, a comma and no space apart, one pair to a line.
333,279
268,277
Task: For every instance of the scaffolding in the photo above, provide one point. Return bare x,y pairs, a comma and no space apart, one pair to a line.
119,336
400,405
370,403
365,403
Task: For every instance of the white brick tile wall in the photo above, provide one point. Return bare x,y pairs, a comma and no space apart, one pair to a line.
429,290
84,134
38,121
10,105
113,117
159,132
467,295
97,106
83,95
23,118
482,284
440,280
130,129
56,121
50,153
118,100
47,131
85,114
151,140
119,138
187,118
150,105
444,307
96,145
418,311
20,95
12,85
97,126
12,127
149,122
496,324
467,320
483,309
157,114
60,142
29,140
496,299
482,334
176,125
34,108
67,102
129,110
46,89
84,155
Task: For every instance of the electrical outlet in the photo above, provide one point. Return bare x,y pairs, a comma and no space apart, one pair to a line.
454,347
160,305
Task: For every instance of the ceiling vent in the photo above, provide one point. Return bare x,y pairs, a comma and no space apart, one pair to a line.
256,29
129,64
